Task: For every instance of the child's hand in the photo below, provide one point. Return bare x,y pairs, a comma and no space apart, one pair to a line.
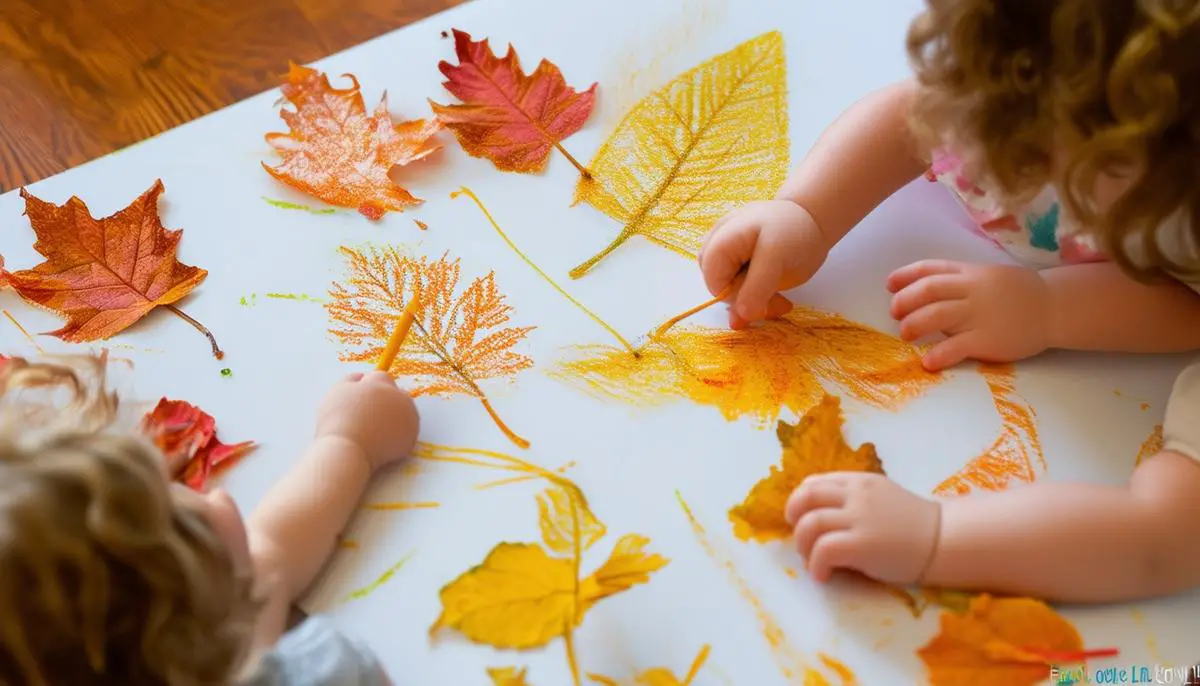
991,313
781,242
372,412
864,522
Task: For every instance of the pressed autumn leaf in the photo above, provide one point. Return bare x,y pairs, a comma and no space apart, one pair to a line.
660,676
709,141
508,117
1012,457
1000,642
104,275
813,446
335,151
507,676
187,437
627,566
758,371
457,339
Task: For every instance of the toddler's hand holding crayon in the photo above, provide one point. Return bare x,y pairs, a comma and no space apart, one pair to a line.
374,414
779,246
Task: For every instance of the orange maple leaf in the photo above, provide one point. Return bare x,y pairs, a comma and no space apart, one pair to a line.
508,117
338,153
1002,642
187,436
455,341
104,275
812,446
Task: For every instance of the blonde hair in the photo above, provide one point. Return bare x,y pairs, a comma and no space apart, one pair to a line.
104,578
1115,83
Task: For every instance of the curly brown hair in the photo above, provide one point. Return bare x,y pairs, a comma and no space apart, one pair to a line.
1111,86
104,577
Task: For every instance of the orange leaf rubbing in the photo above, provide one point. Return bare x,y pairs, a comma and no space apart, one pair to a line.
187,436
997,643
457,338
104,275
508,117
1011,457
813,446
337,152
757,372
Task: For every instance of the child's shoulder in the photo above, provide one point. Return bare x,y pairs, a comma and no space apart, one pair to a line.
316,653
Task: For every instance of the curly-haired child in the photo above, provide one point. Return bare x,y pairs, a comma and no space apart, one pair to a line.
1070,131
111,575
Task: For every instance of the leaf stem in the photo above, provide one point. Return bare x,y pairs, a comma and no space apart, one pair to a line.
584,267
582,169
701,657
532,265
512,435
725,293
572,661
212,340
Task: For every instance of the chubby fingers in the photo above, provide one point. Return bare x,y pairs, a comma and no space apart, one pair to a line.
953,350
820,525
729,246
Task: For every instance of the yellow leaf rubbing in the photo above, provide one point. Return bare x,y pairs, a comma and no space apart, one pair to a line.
756,372
456,340
1152,446
507,676
1011,457
813,446
659,676
565,519
709,141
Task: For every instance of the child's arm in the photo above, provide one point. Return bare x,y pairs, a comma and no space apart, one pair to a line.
1098,307
364,423
1076,542
1060,541
864,157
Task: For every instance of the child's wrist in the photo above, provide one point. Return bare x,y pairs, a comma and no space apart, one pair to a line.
342,447
923,577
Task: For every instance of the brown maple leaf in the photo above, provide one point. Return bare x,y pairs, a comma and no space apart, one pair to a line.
455,341
104,275
340,154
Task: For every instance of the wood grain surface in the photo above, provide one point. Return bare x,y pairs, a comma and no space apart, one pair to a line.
82,78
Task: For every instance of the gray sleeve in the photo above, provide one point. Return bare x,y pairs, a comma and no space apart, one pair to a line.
317,654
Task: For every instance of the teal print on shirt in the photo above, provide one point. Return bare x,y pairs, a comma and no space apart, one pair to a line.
1043,229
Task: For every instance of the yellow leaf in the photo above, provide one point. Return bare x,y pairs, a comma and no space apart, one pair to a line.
997,643
659,676
756,372
627,566
519,598
812,446
565,518
710,140
507,676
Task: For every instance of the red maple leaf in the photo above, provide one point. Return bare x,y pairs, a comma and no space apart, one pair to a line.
187,437
338,153
104,275
508,117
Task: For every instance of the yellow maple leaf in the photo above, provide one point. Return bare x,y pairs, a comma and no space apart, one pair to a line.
507,676
1000,642
457,339
565,518
812,446
627,566
518,597
709,141
758,371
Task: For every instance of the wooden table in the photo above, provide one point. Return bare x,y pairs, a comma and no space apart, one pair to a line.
82,78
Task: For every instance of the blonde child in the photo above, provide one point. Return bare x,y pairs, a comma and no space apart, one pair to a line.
1070,131
111,575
